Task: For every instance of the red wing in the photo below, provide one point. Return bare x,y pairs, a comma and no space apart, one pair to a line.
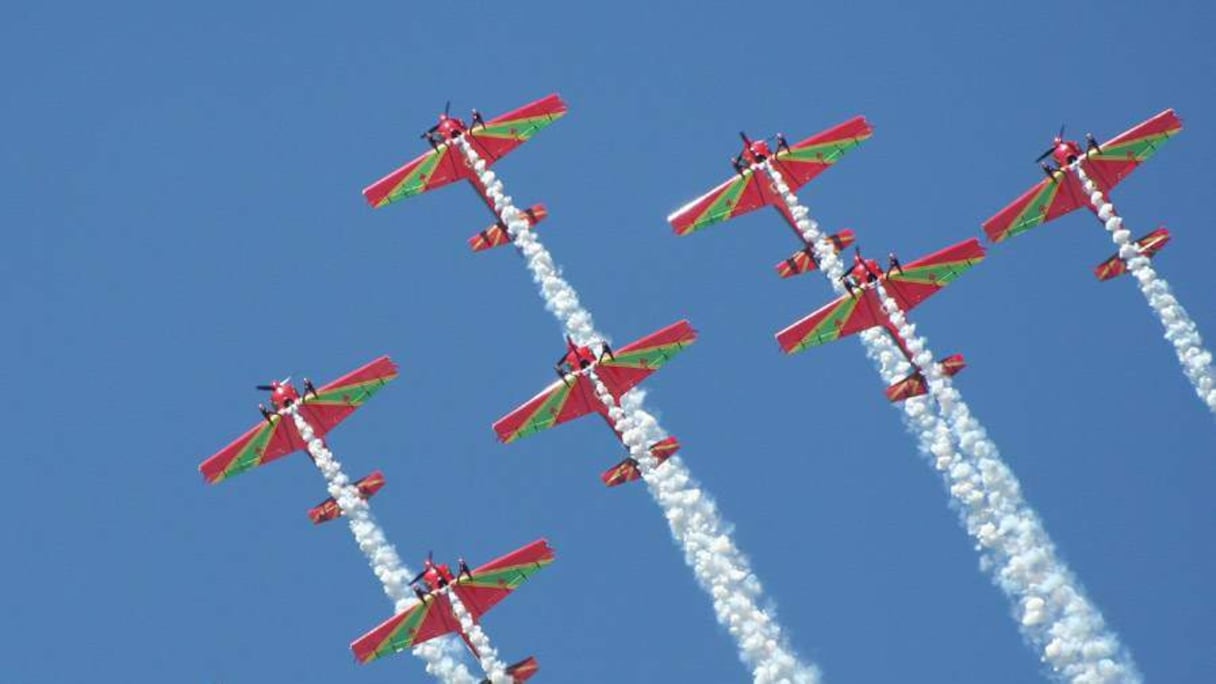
734,197
558,403
504,133
1050,199
495,580
1118,157
337,400
263,443
432,170
811,157
845,316
418,623
926,276
636,361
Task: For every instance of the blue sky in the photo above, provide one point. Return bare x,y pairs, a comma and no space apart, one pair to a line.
183,221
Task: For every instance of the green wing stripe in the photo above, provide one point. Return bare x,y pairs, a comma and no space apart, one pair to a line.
402,637
354,394
1139,149
516,129
826,153
414,183
648,358
506,578
939,274
725,203
828,329
1035,210
544,416
251,455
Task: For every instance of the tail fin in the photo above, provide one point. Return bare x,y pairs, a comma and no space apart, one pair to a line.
803,261
628,470
497,235
329,509
1149,246
520,672
523,670
915,385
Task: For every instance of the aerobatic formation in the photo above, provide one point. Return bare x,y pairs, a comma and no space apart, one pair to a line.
872,300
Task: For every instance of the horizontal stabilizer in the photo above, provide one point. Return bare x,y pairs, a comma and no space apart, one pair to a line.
497,234
628,470
803,261
520,672
915,385
1149,246
329,509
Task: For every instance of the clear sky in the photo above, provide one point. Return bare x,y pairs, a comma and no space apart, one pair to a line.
183,221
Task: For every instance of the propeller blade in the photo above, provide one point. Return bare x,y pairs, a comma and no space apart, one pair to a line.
415,580
745,139
1045,154
1061,136
447,107
265,388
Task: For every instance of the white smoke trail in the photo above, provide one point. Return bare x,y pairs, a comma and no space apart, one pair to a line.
1180,330
1066,630
380,554
494,668
719,566
1056,615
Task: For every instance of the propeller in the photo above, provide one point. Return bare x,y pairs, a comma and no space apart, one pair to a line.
1059,137
265,388
746,140
447,107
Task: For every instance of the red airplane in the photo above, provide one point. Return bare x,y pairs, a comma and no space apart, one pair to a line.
329,509
445,163
479,590
573,395
752,189
861,309
1106,165
323,408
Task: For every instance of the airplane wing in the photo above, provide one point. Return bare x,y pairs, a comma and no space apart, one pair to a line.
432,170
1051,198
845,316
811,157
1062,193
558,403
637,360
848,315
491,583
1115,159
504,133
441,166
269,441
494,581
925,277
735,197
743,193
420,622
